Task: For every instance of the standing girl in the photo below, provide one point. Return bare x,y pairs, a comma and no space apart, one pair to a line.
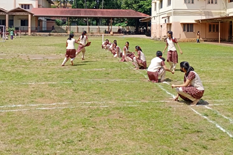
70,49
192,88
172,56
198,37
139,61
83,39
157,68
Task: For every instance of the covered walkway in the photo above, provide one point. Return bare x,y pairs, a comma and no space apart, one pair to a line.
31,19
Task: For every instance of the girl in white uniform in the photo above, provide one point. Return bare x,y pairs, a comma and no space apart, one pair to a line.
139,61
106,44
83,39
126,54
70,50
172,56
157,68
192,88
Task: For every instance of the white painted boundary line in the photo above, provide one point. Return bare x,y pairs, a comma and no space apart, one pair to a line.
81,81
91,102
229,119
71,107
31,105
218,126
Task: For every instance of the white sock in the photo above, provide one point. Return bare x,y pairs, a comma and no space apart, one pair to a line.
65,60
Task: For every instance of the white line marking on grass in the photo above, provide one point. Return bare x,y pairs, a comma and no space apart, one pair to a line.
31,105
229,119
80,81
161,87
218,126
91,102
71,107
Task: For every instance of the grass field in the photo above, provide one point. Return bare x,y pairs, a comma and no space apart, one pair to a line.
103,106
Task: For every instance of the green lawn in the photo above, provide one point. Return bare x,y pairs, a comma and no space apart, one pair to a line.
103,106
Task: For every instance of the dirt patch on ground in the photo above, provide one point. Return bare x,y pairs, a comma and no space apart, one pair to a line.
31,56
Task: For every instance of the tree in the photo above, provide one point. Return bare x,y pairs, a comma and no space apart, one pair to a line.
63,3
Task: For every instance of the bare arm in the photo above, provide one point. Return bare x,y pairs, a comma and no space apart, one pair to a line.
66,43
165,47
182,85
168,69
179,48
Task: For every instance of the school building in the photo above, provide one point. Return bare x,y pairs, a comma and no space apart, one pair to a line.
17,14
212,18
35,16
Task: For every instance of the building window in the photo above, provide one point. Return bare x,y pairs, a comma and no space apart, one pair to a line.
25,6
161,4
212,1
188,27
216,27
213,28
2,22
189,1
11,23
24,23
169,2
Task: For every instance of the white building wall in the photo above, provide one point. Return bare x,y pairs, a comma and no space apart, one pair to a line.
230,9
31,2
7,4
179,13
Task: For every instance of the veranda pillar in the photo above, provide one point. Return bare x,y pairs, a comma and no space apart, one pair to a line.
29,24
7,21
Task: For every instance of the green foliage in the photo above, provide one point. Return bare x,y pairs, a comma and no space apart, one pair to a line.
58,22
143,6
11,29
121,24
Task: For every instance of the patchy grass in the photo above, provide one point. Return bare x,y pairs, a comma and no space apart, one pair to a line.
103,106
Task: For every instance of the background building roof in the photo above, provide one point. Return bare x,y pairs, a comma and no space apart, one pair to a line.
105,13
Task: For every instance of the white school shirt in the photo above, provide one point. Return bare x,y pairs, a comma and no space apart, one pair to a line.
117,47
142,56
84,40
70,44
196,82
126,50
171,44
155,65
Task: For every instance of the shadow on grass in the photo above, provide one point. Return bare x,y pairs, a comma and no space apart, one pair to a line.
201,102
87,61
79,64
168,80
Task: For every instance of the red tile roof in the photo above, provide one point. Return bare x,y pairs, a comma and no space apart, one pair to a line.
105,13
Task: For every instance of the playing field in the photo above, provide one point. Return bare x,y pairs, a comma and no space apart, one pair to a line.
103,106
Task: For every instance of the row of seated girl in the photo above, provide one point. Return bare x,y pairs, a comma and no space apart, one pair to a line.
138,59
191,90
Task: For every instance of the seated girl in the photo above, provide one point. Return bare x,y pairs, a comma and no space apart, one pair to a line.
157,68
192,88
116,51
106,44
139,61
126,54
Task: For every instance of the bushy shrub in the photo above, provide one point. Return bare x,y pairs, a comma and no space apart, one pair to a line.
58,22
